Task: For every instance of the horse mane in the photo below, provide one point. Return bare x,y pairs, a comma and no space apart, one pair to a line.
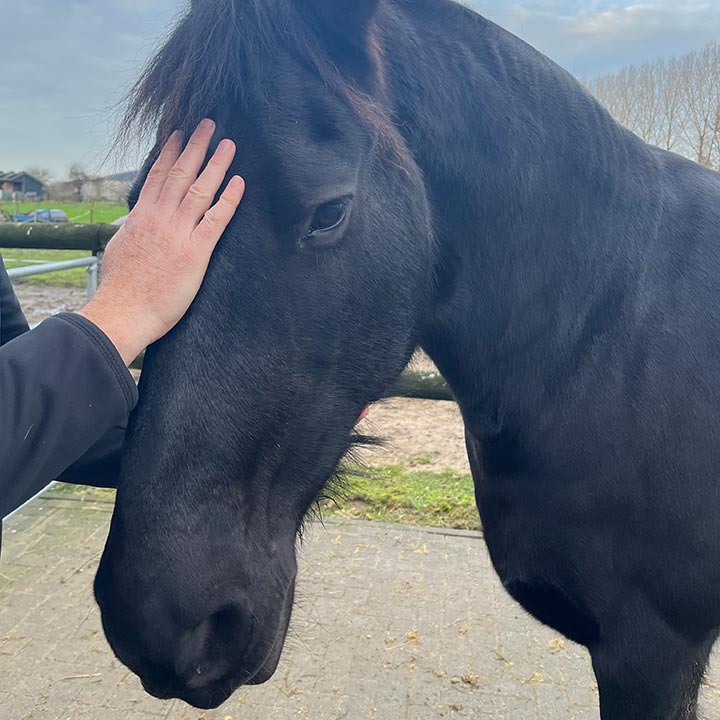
219,51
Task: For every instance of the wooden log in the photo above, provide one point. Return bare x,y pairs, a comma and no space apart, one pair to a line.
412,384
421,384
52,236
94,238
137,363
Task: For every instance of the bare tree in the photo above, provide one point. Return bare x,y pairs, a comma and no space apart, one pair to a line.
674,104
673,117
701,72
41,174
615,92
78,177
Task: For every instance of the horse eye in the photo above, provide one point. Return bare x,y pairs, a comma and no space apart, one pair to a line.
328,216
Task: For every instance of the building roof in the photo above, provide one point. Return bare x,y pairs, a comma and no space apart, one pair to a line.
14,177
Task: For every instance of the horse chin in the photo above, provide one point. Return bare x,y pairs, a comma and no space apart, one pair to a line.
263,675
268,668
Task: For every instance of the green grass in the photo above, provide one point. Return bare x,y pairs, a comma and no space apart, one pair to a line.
88,494
65,278
99,212
394,495
82,212
389,494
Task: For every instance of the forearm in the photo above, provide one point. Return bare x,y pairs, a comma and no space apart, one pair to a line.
63,387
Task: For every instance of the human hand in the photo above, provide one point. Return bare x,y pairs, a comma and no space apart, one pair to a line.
155,264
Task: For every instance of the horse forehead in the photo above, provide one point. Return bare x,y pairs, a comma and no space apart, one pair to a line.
288,154
297,117
293,123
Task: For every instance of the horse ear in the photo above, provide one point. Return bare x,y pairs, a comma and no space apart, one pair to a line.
344,27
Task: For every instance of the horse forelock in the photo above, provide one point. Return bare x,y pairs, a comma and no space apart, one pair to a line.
219,53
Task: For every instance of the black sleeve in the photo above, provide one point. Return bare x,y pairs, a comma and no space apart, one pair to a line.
12,320
99,466
63,388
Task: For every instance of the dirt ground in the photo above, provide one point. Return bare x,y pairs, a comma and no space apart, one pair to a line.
420,434
40,301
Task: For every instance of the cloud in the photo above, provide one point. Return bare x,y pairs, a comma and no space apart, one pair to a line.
72,61
591,38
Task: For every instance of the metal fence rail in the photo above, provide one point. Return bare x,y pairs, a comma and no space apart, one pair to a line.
91,263
46,236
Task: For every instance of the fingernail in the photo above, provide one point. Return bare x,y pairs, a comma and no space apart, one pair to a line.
235,182
206,124
226,146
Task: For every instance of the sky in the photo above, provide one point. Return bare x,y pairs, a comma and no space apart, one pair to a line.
66,65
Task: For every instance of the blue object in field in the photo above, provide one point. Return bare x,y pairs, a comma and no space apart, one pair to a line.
42,216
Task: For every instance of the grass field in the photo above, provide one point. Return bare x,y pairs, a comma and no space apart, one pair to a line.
78,212
389,494
394,495
99,212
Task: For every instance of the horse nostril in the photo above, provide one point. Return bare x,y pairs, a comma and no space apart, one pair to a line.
216,647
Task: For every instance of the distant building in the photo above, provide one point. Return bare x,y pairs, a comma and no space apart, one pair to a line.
115,188
20,186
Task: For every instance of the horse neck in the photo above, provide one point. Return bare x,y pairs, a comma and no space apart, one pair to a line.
535,191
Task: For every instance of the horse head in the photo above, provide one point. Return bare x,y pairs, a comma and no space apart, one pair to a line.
310,310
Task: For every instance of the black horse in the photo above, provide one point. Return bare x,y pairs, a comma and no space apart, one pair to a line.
418,176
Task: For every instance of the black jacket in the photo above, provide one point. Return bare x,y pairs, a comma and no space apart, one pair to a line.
65,397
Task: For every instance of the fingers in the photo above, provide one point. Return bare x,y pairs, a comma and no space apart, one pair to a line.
157,176
173,185
217,218
184,172
202,192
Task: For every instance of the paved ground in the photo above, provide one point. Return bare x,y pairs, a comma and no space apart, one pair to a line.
392,623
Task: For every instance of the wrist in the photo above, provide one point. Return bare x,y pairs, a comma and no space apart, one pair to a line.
119,328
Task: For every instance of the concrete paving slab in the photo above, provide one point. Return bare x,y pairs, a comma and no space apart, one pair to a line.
393,623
